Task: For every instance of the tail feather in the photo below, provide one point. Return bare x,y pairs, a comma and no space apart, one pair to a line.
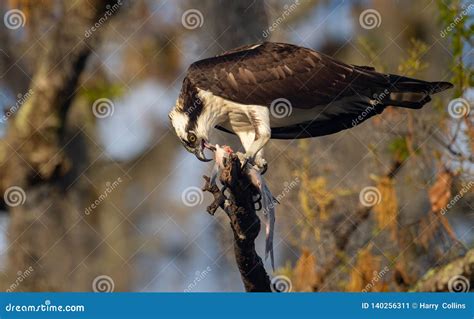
412,93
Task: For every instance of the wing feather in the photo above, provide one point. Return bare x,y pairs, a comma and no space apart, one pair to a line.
259,74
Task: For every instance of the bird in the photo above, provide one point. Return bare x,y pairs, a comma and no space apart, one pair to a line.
274,90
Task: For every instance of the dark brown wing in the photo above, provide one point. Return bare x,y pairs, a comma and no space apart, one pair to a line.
259,74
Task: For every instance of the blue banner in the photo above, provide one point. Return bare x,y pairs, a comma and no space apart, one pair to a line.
237,305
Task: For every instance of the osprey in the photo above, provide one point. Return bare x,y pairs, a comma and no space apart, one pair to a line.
283,91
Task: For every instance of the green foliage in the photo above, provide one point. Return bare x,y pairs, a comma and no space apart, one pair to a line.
97,91
413,64
399,148
368,48
454,18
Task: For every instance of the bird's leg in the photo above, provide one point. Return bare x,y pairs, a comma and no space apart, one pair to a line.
262,136
261,162
256,136
246,137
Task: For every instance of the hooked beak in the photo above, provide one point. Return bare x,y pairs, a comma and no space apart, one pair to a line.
200,151
200,156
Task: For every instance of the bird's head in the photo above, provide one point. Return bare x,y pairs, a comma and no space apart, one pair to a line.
192,136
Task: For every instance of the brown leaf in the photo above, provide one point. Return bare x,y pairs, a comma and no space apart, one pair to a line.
386,210
305,275
429,225
366,275
440,192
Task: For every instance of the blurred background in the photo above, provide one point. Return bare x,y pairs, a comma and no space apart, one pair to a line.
98,193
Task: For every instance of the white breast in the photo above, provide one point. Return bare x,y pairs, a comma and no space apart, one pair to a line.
235,116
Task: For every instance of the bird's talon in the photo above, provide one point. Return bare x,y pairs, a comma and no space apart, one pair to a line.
259,198
244,164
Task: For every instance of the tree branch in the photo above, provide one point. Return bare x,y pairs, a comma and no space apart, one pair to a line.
244,221
343,232
439,279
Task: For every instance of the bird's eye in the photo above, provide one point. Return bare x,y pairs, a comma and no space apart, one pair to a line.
192,138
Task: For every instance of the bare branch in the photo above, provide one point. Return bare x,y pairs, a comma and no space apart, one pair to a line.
439,279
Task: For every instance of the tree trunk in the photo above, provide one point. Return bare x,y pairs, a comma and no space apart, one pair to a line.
41,162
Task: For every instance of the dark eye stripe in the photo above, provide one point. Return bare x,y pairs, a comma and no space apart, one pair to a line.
186,143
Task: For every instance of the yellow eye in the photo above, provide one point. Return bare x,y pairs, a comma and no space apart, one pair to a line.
192,138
